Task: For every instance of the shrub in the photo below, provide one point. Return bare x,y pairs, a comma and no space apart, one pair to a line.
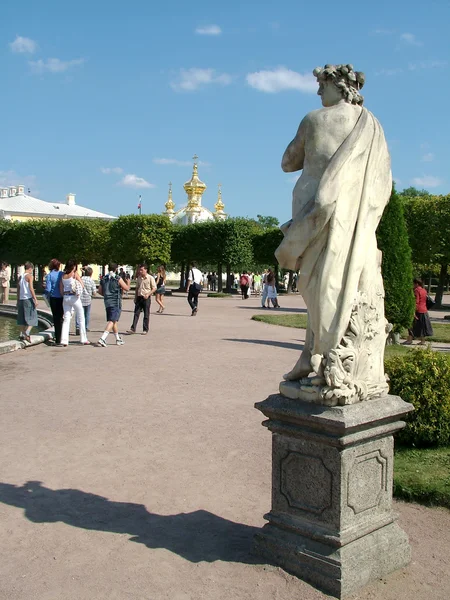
422,377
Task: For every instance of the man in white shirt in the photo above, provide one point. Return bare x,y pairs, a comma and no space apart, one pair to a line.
193,288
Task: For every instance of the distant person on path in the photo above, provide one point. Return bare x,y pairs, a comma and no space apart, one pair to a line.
213,281
271,289
244,282
110,288
145,287
71,288
265,289
89,290
54,296
421,327
160,288
193,288
5,276
257,284
26,303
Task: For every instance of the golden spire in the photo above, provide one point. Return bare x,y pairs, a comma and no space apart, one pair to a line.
194,187
219,205
170,204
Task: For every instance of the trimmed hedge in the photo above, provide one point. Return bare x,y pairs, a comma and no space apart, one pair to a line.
422,377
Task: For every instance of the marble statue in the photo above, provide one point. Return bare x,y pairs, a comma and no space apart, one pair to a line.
336,207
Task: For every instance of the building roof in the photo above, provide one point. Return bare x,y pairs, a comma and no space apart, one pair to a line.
25,205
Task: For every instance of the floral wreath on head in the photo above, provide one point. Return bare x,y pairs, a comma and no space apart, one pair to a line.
348,81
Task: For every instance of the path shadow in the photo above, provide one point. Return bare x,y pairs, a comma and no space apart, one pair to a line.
274,311
197,536
267,343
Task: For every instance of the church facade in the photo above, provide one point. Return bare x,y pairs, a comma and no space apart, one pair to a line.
194,211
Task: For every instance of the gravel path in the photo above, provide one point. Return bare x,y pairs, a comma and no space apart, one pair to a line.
143,471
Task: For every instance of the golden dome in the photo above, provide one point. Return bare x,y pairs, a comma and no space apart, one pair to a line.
194,188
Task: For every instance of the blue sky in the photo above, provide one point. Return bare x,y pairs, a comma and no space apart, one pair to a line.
111,99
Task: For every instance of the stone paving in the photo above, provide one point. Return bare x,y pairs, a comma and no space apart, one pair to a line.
143,471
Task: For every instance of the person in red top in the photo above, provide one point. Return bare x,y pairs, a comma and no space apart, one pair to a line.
421,327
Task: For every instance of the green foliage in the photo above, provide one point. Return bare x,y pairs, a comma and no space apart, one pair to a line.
141,238
428,221
396,267
267,222
214,242
413,192
422,377
264,245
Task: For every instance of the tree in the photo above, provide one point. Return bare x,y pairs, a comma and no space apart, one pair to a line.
141,238
413,192
428,221
264,245
396,266
267,222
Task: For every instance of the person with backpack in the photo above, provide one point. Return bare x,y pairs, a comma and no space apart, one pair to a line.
111,287
193,288
54,297
244,282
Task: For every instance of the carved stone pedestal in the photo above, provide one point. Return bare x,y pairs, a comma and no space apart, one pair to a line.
331,522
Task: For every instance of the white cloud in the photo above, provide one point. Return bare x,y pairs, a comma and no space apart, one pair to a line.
54,65
209,30
427,181
410,38
389,72
11,177
172,161
281,79
109,170
428,157
427,64
23,45
136,182
192,79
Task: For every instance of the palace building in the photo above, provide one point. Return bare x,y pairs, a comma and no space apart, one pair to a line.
194,211
16,205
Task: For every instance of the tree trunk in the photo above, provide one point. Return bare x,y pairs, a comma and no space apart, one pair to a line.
182,275
228,283
219,278
441,286
291,278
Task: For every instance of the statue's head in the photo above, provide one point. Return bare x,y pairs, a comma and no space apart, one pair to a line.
339,82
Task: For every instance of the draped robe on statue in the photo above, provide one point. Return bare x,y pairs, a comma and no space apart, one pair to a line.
331,239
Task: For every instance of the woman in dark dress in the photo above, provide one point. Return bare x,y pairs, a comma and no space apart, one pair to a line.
160,288
421,327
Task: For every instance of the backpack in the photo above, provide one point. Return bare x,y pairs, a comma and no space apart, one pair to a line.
243,280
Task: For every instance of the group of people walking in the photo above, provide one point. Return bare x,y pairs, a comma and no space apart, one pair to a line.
67,294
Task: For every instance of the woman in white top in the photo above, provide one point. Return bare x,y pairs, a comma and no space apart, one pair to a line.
26,303
71,287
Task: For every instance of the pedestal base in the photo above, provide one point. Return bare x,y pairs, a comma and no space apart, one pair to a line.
331,522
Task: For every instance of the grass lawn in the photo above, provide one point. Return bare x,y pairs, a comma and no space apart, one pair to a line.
441,330
423,475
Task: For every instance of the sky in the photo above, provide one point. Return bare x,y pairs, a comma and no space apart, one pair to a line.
110,100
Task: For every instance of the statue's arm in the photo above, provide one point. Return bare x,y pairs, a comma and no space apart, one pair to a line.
294,155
